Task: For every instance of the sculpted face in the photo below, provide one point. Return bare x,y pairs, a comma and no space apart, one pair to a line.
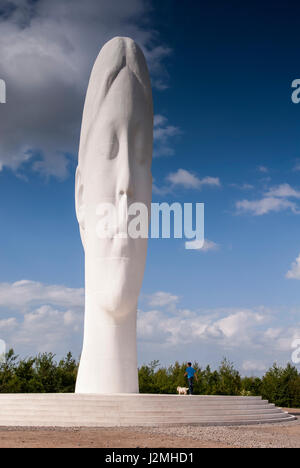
115,167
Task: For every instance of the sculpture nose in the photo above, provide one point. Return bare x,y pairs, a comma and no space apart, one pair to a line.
126,181
128,192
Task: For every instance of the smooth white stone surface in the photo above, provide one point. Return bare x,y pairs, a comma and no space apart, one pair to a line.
114,165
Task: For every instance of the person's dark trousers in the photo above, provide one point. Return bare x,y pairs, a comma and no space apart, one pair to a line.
191,385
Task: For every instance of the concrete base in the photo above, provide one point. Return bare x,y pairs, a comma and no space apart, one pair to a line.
73,410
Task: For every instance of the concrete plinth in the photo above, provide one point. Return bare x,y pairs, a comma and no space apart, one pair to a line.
75,410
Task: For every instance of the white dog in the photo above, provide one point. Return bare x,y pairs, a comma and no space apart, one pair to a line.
182,390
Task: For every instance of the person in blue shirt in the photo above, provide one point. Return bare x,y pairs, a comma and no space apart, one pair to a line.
190,373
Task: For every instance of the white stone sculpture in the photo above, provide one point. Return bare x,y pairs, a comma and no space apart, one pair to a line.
114,166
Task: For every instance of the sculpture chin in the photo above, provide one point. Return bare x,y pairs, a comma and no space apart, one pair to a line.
113,285
119,305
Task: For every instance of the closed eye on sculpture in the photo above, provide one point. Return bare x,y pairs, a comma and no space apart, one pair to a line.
110,148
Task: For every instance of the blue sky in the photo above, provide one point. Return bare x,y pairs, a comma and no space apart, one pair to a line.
221,78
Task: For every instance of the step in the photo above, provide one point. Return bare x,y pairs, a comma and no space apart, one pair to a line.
71,410
30,424
109,410
122,396
138,404
136,414
138,417
109,404
125,422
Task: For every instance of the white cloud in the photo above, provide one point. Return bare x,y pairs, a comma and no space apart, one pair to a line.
6,324
244,335
229,327
23,294
237,324
37,317
294,272
283,191
163,134
161,299
189,180
266,205
282,337
273,333
296,167
263,169
185,179
47,51
207,246
244,186
50,318
155,57
45,329
275,199
254,366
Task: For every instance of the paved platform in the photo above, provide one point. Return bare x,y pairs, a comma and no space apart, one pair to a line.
73,410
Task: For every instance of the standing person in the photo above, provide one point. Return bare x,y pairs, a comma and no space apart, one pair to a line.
190,373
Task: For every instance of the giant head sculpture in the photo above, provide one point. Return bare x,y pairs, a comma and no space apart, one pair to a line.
114,167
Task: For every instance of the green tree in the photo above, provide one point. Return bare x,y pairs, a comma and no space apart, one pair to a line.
229,382
280,385
8,379
252,385
146,378
66,374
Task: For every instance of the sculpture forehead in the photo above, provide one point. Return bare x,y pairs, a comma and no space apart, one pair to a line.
120,84
118,53
125,104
